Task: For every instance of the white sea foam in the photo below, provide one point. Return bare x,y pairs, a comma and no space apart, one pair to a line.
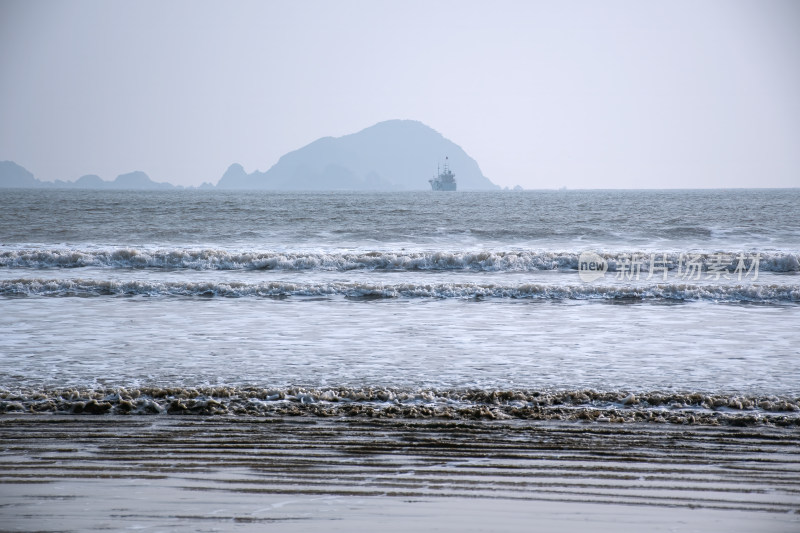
483,261
588,405
758,293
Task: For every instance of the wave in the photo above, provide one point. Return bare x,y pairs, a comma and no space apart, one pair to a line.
484,261
756,293
587,405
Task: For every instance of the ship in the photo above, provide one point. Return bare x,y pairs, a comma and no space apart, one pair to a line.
445,181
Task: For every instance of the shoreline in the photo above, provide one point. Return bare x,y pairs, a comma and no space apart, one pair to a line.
581,405
83,473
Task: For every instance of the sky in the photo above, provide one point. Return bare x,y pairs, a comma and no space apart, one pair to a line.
542,94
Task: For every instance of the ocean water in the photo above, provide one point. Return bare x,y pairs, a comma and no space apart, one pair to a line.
403,304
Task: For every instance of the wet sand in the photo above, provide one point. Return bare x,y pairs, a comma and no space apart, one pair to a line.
222,473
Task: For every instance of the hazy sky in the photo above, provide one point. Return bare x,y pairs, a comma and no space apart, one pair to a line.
544,94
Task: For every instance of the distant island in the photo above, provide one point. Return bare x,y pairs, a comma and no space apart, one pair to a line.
13,175
394,155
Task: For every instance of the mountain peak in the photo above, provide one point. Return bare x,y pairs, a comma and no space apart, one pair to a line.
235,169
394,154
90,181
14,175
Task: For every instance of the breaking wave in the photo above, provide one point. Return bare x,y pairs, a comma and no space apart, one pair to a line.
756,293
211,259
585,405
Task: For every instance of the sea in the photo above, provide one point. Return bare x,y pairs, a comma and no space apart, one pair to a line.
639,305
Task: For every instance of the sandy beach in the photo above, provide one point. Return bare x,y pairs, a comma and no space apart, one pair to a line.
189,473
